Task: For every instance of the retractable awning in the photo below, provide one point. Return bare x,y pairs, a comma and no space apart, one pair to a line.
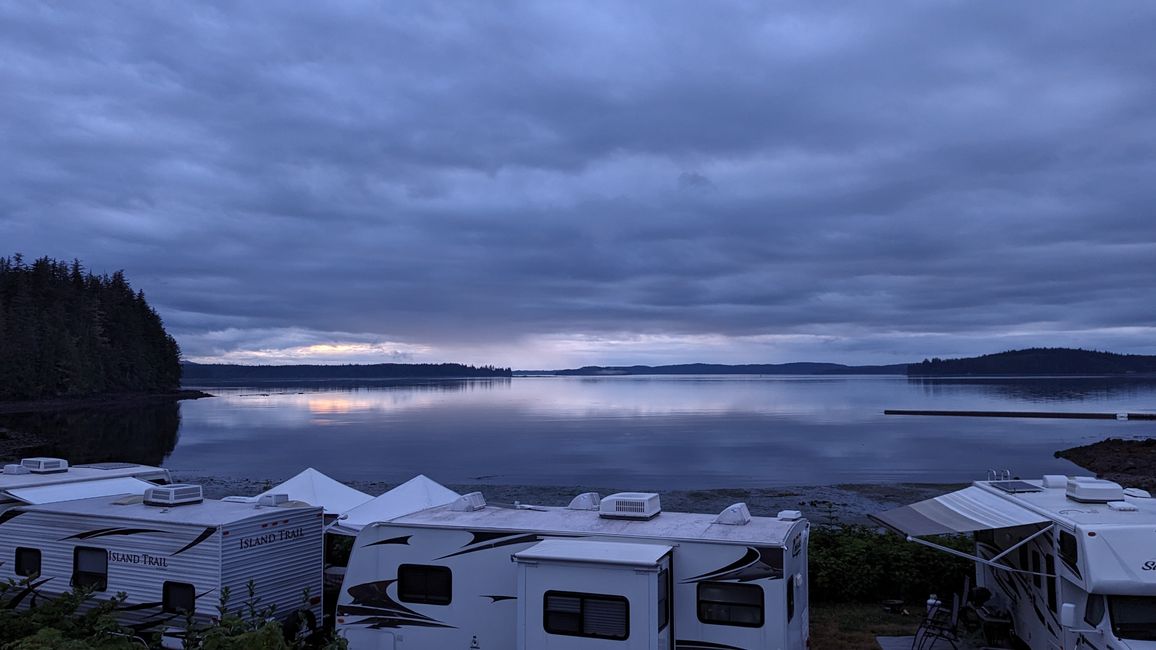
963,511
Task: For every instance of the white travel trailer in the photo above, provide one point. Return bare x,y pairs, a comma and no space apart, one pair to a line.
171,551
599,574
1072,560
43,480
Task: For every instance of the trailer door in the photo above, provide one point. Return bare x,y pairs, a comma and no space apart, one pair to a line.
589,595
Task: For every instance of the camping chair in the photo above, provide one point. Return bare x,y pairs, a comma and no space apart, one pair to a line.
938,624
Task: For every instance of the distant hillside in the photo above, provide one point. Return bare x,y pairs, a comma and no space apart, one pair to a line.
802,368
1038,361
203,373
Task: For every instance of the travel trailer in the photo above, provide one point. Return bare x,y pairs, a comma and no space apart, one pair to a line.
171,551
601,573
44,480
1072,560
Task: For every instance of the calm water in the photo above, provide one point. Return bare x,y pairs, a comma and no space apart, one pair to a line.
651,432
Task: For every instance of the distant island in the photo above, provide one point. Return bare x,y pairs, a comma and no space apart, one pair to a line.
1038,361
801,368
1022,363
204,373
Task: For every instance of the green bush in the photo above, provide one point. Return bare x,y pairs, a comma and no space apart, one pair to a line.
860,564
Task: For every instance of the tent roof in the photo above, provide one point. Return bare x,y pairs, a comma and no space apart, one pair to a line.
416,494
962,511
315,488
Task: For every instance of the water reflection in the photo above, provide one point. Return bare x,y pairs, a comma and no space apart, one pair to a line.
645,432
141,434
1053,390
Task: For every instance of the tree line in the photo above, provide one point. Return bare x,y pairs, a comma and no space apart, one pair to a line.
67,332
1039,361
202,372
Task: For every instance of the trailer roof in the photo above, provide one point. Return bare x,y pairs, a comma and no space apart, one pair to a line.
667,525
1055,503
209,512
77,473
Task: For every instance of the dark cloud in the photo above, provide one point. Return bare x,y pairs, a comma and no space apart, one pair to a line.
594,183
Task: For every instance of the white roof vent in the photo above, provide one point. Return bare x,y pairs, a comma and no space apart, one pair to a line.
1093,490
734,515
1137,493
16,469
1122,506
272,500
469,502
1055,481
585,501
789,515
630,505
177,494
42,465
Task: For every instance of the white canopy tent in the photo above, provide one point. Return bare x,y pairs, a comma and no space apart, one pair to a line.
317,489
415,495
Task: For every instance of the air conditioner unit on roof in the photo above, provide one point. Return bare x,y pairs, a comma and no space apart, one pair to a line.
630,505
43,465
1093,490
177,494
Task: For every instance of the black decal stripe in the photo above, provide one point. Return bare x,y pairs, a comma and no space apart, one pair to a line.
509,541
683,644
28,590
751,556
205,534
375,595
382,622
392,540
9,515
486,536
496,599
105,532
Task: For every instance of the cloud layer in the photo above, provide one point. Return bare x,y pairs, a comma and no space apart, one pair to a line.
535,184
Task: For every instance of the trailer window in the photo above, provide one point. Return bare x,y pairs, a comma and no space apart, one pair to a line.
1133,617
424,583
598,616
1069,549
178,597
728,603
1094,610
27,562
1051,571
790,598
663,599
90,568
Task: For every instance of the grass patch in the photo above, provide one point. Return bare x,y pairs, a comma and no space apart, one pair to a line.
854,625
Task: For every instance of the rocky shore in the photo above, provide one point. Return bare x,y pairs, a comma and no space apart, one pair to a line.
1131,463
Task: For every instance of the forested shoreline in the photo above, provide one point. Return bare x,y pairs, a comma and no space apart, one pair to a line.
1039,361
194,373
68,333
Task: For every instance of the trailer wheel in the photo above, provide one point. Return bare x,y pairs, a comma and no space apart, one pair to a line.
300,625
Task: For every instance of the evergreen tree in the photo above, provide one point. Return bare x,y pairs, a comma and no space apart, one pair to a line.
66,332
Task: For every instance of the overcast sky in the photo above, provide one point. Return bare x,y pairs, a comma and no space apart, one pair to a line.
551,184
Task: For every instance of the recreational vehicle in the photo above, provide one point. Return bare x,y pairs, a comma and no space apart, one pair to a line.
601,573
171,551
43,480
1072,560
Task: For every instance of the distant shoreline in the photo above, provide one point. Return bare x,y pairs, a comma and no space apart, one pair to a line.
98,401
